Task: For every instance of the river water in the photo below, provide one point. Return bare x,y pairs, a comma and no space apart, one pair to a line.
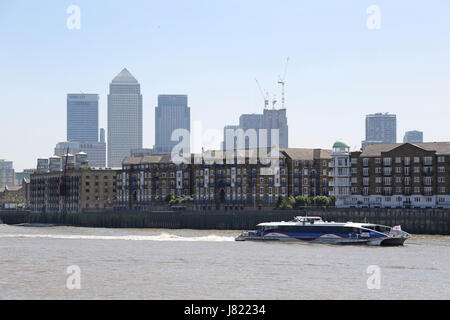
199,264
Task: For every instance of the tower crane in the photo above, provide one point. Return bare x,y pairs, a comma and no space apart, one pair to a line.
264,93
282,81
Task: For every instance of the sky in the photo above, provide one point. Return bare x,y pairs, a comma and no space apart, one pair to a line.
340,67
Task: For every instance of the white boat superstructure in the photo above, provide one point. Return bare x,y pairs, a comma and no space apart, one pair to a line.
315,230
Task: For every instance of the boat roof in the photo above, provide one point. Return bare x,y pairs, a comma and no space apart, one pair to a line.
318,223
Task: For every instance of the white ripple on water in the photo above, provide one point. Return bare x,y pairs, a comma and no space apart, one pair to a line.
161,237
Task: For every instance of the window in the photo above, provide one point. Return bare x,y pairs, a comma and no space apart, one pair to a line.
365,162
416,160
441,159
407,181
398,160
387,161
428,161
365,181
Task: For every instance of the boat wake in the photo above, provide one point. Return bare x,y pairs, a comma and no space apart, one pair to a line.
160,237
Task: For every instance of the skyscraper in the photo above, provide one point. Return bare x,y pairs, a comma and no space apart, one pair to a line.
172,113
270,119
82,117
413,137
124,117
6,173
380,128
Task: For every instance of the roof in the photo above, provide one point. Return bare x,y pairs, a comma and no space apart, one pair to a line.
11,188
124,77
341,144
207,155
160,158
375,150
306,154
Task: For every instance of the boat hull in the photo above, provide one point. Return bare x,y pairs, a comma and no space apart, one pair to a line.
324,240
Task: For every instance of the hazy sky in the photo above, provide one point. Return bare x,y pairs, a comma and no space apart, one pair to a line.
212,50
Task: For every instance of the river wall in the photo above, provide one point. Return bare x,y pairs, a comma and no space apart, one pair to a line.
416,221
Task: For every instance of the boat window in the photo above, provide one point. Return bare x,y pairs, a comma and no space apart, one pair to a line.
382,229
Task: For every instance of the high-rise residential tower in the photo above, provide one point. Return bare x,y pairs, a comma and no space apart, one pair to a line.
172,113
82,117
124,117
270,119
380,128
413,137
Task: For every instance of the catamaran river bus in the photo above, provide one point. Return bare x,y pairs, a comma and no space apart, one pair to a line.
315,230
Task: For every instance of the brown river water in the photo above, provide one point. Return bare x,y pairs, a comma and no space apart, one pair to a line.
209,264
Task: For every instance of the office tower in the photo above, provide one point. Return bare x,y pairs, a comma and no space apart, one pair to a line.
172,113
124,117
270,119
102,135
42,165
7,175
82,117
380,128
413,137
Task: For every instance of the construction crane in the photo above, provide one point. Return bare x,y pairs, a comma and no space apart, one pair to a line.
282,81
274,101
264,93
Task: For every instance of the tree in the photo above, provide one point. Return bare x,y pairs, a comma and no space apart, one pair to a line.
281,202
170,197
320,200
301,201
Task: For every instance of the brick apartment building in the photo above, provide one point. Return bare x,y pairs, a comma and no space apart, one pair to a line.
85,189
399,175
224,179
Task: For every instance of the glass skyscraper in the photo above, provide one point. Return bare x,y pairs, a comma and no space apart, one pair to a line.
380,128
124,117
413,136
172,113
82,117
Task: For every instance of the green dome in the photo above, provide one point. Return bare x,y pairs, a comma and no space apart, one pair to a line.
341,144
